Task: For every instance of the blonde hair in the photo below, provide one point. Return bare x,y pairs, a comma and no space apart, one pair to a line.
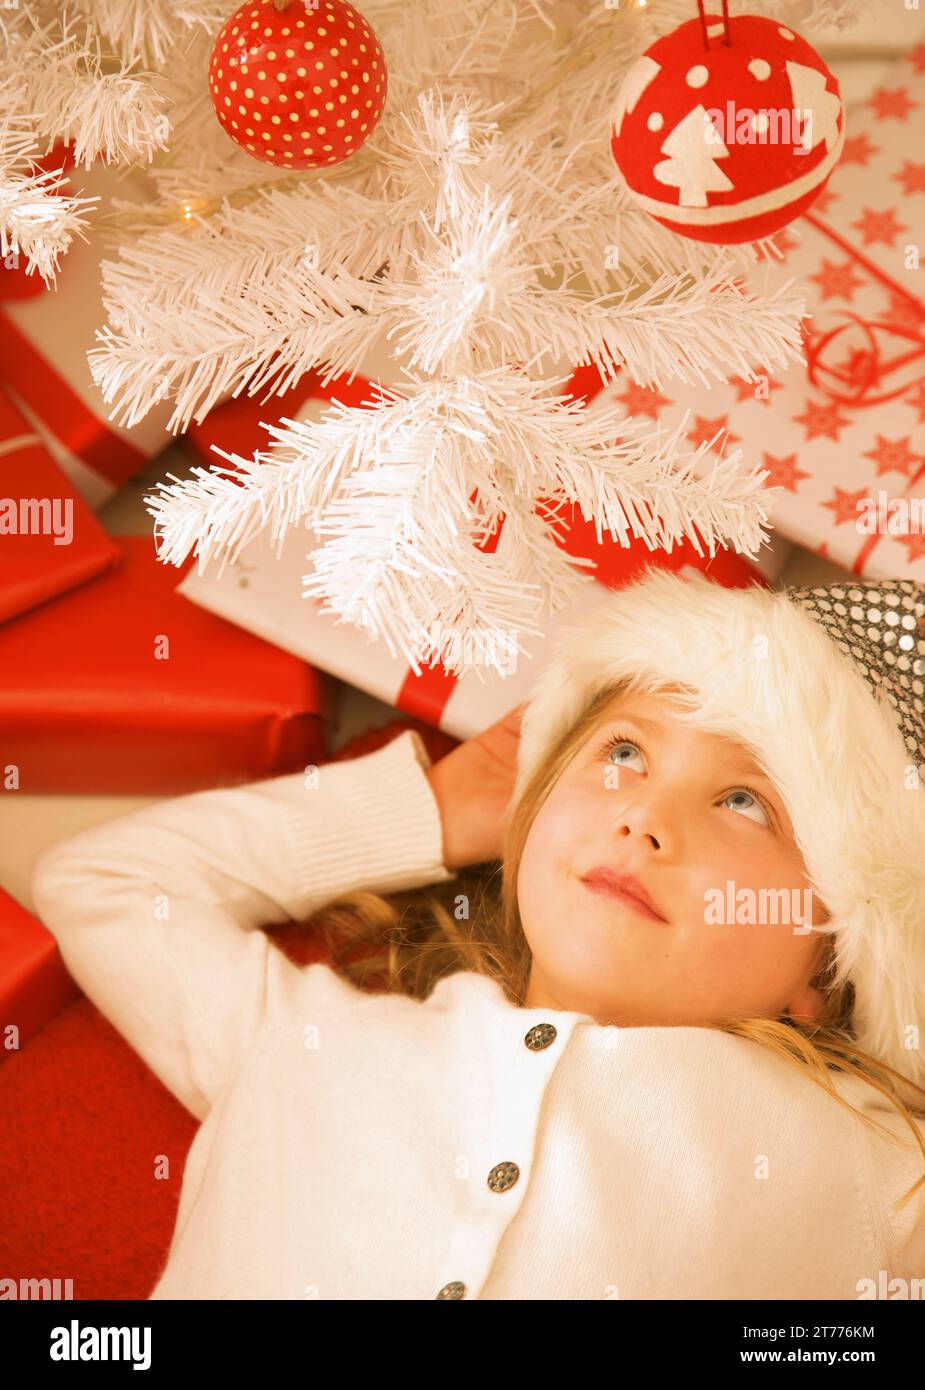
405,942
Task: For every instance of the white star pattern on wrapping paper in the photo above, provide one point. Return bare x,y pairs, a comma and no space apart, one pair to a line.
783,472
822,420
858,149
877,226
912,178
844,505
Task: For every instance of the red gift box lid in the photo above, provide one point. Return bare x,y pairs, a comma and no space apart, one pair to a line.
34,982
127,686
50,541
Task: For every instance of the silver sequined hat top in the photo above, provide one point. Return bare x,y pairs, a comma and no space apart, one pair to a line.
880,625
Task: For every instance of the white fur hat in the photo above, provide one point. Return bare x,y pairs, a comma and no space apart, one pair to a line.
826,687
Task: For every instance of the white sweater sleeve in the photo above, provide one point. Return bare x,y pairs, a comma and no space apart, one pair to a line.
907,1224
157,913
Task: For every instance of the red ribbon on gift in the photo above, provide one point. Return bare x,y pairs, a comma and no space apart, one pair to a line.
868,368
868,376
61,410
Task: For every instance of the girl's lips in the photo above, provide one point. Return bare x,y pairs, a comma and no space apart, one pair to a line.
600,885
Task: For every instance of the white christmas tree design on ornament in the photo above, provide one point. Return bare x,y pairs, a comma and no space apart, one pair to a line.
693,149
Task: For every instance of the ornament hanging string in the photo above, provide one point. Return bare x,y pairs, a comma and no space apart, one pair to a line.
703,23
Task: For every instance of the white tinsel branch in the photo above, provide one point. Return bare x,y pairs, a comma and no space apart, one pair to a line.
248,298
35,219
60,77
148,31
295,317
393,484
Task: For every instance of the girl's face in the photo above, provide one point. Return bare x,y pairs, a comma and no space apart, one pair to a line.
651,797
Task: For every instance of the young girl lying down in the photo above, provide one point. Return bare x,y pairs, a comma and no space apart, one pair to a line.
673,1047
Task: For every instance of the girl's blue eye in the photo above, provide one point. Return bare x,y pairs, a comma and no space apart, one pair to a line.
617,744
755,806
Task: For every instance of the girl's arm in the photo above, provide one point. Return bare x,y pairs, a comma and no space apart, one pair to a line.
157,913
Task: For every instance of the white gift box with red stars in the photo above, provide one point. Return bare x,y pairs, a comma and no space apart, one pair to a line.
843,437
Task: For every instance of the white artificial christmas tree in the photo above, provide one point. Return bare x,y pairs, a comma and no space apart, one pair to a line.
480,233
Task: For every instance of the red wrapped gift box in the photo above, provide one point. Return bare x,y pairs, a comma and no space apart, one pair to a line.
34,981
125,686
50,541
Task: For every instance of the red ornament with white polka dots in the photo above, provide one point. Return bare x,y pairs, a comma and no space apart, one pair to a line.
297,85
726,129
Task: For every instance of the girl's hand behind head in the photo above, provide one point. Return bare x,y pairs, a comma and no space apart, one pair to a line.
473,787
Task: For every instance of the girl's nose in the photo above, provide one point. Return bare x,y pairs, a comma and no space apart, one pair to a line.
627,829
650,814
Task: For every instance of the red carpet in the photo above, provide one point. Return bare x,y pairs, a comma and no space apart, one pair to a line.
89,1131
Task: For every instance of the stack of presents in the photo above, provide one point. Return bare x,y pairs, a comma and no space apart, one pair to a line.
123,674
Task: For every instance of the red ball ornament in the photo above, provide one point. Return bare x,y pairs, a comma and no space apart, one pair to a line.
726,129
296,85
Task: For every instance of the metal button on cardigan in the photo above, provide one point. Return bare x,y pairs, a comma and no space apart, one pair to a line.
541,1036
504,1175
